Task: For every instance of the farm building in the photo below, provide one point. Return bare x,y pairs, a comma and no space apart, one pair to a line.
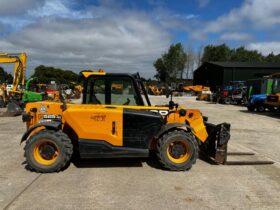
215,74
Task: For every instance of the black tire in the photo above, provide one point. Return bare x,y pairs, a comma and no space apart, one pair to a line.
167,139
57,140
250,108
272,109
221,100
2,104
227,101
260,108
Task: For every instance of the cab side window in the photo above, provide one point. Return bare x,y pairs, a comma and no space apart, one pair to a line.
96,91
122,92
111,90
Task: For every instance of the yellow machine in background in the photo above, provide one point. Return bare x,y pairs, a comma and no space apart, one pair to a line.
154,90
273,99
203,92
78,91
19,61
204,96
15,95
54,96
3,95
117,87
196,88
72,91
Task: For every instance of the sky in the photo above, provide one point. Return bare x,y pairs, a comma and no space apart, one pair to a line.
127,35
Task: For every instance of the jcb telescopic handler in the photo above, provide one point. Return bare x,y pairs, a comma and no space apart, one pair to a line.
119,123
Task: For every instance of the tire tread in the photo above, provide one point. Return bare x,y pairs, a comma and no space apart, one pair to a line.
160,151
66,156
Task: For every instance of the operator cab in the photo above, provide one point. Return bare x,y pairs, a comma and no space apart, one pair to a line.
276,86
116,89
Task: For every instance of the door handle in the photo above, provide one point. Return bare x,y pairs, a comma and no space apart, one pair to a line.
113,127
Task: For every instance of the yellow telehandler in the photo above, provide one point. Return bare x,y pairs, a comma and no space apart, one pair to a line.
120,123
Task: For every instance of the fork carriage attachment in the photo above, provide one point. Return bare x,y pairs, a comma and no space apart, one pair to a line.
215,146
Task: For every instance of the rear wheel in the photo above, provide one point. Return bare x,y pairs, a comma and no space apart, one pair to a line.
260,108
177,150
48,151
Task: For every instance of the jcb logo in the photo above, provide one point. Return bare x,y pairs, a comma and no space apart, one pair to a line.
98,117
162,112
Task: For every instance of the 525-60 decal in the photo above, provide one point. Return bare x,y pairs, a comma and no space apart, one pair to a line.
50,116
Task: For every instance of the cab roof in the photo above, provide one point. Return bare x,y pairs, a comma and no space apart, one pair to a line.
86,74
101,72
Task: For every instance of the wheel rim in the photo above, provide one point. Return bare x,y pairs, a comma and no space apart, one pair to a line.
178,152
261,108
45,152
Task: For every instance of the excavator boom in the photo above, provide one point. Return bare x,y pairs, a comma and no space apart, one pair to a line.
19,61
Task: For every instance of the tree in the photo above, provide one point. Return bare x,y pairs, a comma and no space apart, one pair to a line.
47,74
171,64
161,68
216,53
9,78
5,77
199,55
241,54
190,62
272,58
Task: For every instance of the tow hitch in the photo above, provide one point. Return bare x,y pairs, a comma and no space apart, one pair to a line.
216,147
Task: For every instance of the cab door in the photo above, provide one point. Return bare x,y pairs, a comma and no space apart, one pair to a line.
96,123
112,90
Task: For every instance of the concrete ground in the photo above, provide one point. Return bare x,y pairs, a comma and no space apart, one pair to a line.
140,184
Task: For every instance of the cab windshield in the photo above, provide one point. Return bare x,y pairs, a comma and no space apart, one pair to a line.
116,90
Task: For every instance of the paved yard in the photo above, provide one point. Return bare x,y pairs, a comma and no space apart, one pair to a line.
140,184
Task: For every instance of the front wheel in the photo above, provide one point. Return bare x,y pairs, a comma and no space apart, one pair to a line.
177,150
48,151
